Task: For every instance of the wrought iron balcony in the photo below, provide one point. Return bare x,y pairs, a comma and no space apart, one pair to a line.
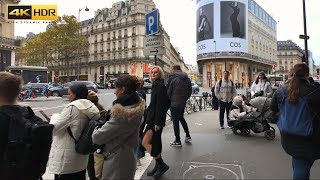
9,42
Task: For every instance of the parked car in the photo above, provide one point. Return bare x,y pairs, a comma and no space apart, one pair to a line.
63,90
147,87
195,88
98,85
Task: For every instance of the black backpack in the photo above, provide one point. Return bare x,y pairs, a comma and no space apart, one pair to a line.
29,142
85,145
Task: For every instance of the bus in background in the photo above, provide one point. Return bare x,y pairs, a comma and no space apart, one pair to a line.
32,74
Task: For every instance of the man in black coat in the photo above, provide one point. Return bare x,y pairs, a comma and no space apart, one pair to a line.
179,90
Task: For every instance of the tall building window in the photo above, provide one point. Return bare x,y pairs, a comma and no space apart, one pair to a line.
101,57
125,43
114,45
119,44
134,31
125,32
114,34
134,54
108,35
109,58
146,7
133,42
119,33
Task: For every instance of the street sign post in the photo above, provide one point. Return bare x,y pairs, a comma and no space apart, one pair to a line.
152,22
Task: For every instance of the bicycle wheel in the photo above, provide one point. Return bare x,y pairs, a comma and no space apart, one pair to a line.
196,106
188,107
205,104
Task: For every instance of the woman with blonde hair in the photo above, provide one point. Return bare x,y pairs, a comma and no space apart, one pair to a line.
155,120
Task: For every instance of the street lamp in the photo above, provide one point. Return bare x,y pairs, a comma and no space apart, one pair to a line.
305,36
78,66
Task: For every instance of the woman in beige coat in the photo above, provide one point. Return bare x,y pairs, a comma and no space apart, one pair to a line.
64,161
120,133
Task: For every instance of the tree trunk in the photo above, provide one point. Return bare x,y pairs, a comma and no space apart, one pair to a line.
68,66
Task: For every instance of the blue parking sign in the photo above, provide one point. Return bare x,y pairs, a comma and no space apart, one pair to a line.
152,22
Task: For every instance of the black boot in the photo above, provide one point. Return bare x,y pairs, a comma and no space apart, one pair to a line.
162,168
153,171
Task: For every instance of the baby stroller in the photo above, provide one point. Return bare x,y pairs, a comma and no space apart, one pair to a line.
257,121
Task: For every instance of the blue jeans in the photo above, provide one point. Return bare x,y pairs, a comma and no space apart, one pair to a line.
224,107
177,116
301,168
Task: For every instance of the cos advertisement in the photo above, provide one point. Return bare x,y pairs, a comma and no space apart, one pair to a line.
222,26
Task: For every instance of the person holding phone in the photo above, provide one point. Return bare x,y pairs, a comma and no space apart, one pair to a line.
155,120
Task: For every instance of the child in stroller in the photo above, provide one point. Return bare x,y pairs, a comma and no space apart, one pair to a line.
255,117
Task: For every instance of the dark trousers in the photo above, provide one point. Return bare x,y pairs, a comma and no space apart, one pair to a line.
224,107
90,168
301,168
74,176
177,115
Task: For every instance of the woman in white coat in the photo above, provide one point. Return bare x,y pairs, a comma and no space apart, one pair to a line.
64,161
261,87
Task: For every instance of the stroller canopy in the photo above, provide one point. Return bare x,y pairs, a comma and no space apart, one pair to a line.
261,103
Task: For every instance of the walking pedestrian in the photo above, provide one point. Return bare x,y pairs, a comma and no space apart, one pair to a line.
64,161
120,133
297,103
225,92
261,86
156,118
179,90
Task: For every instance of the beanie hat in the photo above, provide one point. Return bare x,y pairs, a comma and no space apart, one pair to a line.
237,101
92,96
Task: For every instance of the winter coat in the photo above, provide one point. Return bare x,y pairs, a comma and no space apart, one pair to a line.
120,136
63,158
235,113
263,85
298,146
157,110
179,89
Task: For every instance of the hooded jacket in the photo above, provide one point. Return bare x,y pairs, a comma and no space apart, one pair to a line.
63,158
120,136
179,89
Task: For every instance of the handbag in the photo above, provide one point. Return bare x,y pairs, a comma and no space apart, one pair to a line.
98,164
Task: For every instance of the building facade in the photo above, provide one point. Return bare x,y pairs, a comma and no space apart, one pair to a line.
115,36
192,72
289,54
244,54
8,43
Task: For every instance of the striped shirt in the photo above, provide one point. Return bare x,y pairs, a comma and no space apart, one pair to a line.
226,92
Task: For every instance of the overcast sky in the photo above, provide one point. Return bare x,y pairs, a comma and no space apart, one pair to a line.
179,20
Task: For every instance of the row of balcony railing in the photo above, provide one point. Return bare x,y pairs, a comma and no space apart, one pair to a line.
112,27
113,38
110,62
9,42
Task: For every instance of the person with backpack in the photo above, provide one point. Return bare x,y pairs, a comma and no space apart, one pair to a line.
120,133
64,161
297,104
179,90
25,139
261,86
215,101
225,92
156,119
92,96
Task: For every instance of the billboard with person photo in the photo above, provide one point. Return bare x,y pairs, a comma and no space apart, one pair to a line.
222,26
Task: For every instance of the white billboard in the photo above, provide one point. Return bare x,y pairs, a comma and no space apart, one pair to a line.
222,26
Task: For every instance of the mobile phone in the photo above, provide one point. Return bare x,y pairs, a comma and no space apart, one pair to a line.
45,115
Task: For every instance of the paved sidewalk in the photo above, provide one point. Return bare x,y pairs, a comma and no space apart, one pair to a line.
43,98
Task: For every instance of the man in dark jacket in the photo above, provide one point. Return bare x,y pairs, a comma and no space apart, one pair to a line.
10,86
179,90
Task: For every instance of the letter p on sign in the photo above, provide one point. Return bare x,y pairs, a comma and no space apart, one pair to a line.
152,22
